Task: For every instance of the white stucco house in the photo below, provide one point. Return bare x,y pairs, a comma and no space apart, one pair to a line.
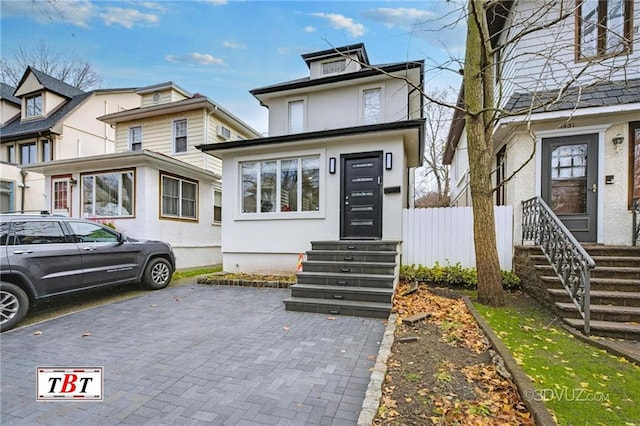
44,119
570,123
156,185
337,164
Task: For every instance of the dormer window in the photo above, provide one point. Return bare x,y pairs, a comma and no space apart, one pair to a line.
33,106
334,67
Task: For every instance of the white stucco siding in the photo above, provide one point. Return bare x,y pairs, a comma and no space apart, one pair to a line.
83,135
546,59
340,107
279,237
34,193
614,217
7,111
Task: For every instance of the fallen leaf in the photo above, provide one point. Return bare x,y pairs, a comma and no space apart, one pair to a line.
37,333
331,318
285,327
86,334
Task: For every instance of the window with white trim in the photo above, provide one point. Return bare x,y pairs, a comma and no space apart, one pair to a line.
6,196
296,116
108,194
33,105
11,153
605,28
371,106
180,136
47,150
217,206
135,138
179,197
281,186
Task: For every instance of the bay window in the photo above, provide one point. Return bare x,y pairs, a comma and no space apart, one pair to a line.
108,194
281,186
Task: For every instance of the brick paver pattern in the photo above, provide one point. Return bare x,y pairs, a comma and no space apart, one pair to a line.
196,354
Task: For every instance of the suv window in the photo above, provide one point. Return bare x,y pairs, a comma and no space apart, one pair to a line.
38,232
92,233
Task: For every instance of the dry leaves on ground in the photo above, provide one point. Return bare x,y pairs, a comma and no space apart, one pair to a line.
448,375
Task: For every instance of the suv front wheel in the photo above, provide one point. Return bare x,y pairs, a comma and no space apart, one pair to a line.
14,305
158,274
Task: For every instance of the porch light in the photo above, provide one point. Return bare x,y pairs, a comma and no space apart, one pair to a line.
332,165
617,141
73,182
388,160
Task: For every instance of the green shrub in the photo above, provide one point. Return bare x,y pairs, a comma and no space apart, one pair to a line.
453,276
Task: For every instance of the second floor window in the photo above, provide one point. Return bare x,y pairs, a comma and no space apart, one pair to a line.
296,117
604,28
371,106
135,138
180,136
47,150
11,153
33,106
28,153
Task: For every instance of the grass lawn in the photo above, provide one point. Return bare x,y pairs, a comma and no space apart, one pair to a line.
579,383
188,273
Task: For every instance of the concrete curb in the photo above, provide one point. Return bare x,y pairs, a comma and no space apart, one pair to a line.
609,347
374,389
539,412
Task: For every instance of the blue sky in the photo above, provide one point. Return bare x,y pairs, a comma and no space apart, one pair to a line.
223,49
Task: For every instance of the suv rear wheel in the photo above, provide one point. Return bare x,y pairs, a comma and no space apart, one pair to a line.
14,305
158,274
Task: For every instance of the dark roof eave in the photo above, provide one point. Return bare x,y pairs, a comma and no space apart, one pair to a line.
28,135
417,124
368,72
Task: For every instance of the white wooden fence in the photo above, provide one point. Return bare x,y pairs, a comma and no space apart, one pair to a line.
445,235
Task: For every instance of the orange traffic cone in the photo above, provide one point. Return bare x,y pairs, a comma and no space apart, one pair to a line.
300,259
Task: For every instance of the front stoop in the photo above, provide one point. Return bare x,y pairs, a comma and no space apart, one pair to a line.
355,278
615,289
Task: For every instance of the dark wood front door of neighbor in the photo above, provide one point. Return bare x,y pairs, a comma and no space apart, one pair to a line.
570,182
361,208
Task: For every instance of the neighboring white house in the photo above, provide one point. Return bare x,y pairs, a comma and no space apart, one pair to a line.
156,185
337,164
45,119
578,147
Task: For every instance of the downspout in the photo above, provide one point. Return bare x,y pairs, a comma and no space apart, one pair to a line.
24,174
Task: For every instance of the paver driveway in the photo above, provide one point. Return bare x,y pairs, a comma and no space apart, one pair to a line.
196,354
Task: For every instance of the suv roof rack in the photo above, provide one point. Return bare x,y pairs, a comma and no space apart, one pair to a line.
42,212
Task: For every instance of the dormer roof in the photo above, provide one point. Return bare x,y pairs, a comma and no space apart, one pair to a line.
338,52
167,85
48,83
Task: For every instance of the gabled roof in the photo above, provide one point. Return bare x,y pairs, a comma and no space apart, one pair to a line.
17,129
601,93
6,94
52,84
163,86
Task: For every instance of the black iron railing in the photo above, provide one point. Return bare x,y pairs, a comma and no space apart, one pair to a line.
569,260
635,236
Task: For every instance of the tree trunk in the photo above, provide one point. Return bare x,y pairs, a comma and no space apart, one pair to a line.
480,148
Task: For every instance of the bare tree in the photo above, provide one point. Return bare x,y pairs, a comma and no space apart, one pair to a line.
64,66
434,175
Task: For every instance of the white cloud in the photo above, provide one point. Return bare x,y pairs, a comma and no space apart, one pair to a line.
127,17
341,22
398,17
310,29
234,45
72,12
217,2
195,58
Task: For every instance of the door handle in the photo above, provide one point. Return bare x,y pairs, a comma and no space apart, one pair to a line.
22,252
594,188
89,249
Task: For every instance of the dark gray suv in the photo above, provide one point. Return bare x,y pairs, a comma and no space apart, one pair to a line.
44,255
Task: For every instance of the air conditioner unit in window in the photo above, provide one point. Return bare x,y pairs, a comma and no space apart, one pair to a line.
223,132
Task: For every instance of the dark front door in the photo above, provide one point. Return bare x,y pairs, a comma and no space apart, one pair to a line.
570,182
361,211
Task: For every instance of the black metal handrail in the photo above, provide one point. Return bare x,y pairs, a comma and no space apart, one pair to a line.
569,260
635,236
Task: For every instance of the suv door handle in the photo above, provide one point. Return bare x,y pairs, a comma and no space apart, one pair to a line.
89,248
22,252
